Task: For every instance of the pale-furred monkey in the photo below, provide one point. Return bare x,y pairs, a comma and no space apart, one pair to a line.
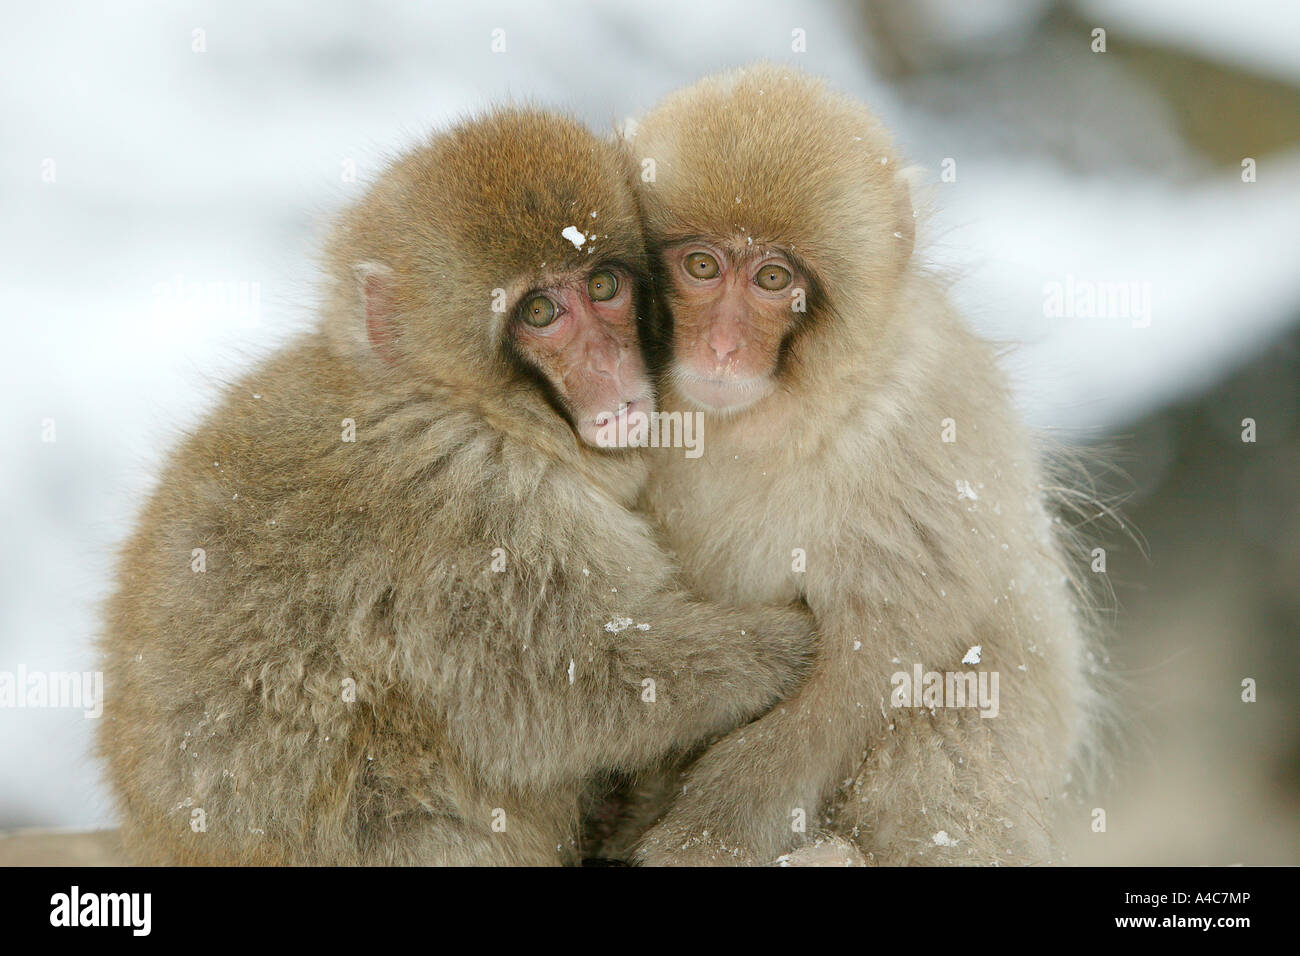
389,603
861,454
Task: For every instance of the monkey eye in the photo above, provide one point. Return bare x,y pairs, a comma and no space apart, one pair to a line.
773,278
539,311
602,286
701,265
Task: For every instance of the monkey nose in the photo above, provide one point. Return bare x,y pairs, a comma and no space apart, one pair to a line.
723,340
723,347
605,362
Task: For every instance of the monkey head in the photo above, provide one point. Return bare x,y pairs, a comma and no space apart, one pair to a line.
502,260
781,228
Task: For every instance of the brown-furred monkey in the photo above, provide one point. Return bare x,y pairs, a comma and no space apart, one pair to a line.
389,603
861,454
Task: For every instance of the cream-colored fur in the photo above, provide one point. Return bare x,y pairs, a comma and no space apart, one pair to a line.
917,549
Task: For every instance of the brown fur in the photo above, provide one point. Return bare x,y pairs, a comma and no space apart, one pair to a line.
845,460
326,560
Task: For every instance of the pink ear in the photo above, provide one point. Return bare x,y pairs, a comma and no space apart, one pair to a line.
377,296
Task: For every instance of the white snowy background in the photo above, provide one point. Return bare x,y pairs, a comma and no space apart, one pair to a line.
223,167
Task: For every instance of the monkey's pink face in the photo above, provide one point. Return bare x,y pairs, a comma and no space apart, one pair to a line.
731,312
582,335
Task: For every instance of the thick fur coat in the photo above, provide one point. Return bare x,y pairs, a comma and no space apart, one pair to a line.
418,646
918,548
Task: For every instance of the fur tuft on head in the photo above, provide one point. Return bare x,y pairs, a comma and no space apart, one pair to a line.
457,228
769,154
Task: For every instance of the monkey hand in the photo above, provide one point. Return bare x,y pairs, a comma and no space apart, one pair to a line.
740,806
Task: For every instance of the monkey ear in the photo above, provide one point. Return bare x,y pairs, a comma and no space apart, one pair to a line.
375,286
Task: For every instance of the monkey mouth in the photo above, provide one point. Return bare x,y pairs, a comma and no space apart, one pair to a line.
721,394
625,410
622,428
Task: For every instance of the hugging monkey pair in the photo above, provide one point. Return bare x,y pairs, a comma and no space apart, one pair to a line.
435,614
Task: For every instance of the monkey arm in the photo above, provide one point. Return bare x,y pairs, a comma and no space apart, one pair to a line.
975,784
751,795
594,676
904,784
984,785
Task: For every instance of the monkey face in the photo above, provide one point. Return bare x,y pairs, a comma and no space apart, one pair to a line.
579,333
502,261
731,312
766,168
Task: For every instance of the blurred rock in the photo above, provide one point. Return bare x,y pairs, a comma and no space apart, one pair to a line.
62,848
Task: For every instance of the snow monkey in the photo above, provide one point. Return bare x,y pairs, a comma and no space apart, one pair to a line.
390,602
862,455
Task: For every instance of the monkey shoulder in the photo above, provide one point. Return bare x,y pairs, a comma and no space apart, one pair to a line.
304,502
